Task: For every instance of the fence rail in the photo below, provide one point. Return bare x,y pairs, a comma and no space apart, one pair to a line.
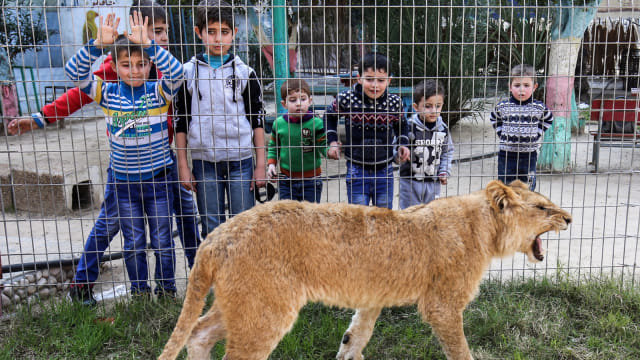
53,180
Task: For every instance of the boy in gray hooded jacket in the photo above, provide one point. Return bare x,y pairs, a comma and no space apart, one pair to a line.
220,118
431,147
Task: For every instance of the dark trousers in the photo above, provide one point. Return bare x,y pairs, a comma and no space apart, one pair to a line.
517,166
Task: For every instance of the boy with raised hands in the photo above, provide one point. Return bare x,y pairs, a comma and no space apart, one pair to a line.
107,225
136,111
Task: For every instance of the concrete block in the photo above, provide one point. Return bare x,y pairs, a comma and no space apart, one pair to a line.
56,194
6,195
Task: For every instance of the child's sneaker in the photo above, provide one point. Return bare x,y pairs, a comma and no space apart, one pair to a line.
165,294
141,294
82,294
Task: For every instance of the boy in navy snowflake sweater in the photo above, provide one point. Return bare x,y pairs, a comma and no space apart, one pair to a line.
373,118
520,123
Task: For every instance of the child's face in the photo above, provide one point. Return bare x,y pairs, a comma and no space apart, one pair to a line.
133,69
297,103
429,109
217,38
159,31
374,82
522,88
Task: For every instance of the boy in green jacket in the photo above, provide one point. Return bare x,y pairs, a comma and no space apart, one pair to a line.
298,140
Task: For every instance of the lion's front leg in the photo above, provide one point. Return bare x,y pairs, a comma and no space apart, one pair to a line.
358,334
448,328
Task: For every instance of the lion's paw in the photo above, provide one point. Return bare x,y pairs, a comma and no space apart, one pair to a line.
349,354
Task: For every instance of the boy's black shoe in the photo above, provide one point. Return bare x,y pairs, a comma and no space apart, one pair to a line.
165,294
82,294
141,294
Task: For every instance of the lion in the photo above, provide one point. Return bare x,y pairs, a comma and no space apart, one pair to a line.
266,263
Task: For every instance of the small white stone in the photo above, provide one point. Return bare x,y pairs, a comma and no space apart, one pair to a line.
24,282
43,281
55,271
22,293
31,289
44,293
53,291
52,280
38,275
60,285
30,278
45,273
16,298
8,291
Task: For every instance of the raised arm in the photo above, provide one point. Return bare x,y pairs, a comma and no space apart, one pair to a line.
171,68
78,68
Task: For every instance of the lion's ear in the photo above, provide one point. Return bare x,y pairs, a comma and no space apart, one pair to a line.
519,185
501,196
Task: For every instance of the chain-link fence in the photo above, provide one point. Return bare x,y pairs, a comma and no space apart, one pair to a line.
63,166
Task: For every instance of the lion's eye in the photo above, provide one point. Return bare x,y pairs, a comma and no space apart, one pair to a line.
541,207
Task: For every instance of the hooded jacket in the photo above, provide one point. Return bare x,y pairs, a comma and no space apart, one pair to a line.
431,151
219,108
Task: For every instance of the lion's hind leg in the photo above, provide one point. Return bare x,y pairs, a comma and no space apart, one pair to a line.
208,331
358,334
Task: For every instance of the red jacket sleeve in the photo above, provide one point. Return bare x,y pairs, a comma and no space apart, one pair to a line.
74,99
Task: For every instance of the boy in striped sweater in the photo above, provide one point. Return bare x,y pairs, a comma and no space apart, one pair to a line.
520,123
136,111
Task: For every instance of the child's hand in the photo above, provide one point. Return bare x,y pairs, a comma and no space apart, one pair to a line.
259,177
186,178
272,172
404,154
108,31
138,29
19,126
334,150
443,179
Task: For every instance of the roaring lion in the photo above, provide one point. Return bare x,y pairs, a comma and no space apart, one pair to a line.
268,262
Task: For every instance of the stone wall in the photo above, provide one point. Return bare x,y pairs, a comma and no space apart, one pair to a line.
35,285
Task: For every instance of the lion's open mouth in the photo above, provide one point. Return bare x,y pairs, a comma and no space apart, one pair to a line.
538,250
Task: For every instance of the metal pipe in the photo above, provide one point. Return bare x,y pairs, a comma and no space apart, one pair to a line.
280,48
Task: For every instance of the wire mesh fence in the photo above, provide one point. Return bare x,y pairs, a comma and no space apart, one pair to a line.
64,166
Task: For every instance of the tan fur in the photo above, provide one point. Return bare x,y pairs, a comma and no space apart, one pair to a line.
268,262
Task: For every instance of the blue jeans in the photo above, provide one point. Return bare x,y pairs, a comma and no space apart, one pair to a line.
151,198
184,207
218,181
517,166
300,189
105,229
365,185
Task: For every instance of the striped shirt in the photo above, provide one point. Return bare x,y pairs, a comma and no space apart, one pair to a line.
137,117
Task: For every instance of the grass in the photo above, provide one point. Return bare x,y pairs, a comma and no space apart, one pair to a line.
526,319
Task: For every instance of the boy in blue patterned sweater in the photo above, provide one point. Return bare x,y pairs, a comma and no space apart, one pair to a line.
373,119
520,123
136,112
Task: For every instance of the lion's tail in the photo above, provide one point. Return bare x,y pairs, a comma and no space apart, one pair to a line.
200,281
